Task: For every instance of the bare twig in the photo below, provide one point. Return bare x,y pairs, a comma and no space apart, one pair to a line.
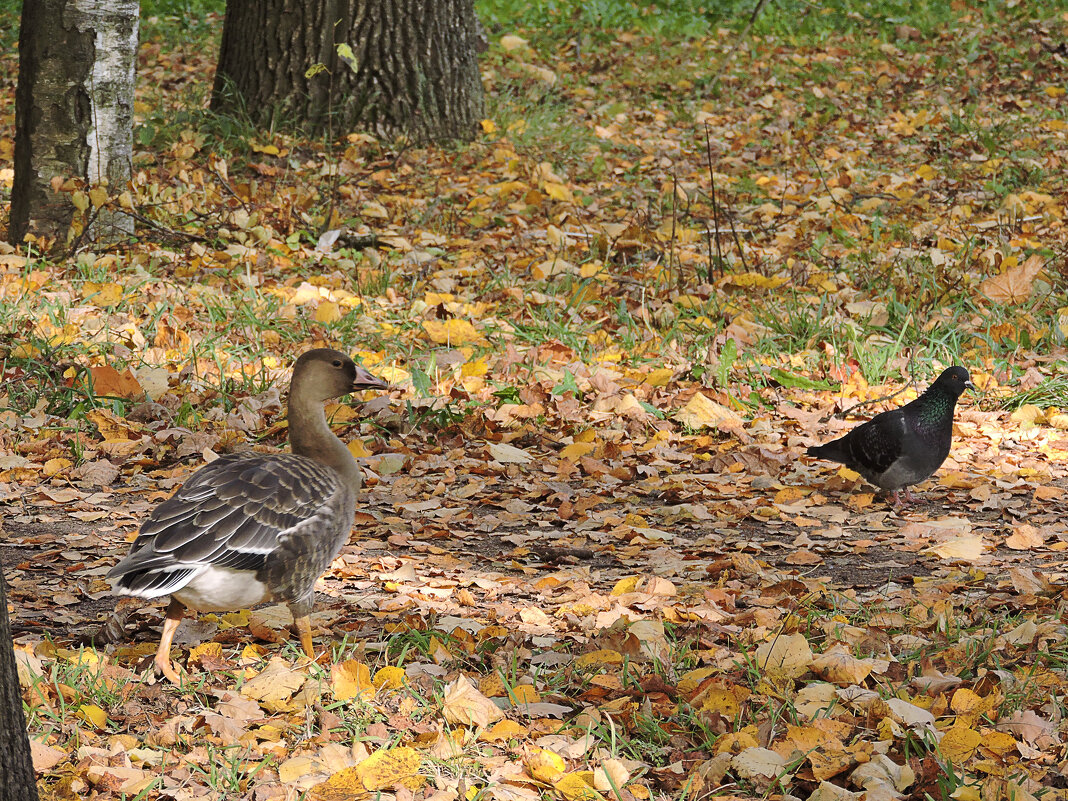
715,207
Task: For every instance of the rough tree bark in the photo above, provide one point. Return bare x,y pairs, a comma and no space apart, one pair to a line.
73,115
415,67
17,781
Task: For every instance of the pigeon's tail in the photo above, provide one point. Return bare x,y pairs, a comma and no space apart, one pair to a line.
832,451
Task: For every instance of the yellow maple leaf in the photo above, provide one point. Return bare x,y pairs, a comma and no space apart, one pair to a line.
451,332
351,679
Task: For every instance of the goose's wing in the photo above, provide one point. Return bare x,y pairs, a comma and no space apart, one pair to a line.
234,513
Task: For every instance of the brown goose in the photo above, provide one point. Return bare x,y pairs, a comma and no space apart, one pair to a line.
251,527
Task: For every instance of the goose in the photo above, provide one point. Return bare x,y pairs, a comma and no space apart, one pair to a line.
253,527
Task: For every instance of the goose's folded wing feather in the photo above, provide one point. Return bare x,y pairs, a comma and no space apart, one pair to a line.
234,512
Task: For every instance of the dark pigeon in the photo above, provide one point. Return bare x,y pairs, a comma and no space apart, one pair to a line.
902,447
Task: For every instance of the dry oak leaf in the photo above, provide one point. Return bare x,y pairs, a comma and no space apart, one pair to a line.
465,705
785,657
275,685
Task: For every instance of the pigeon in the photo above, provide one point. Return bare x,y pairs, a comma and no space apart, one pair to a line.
902,447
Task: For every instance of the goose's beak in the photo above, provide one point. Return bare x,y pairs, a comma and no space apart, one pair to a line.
365,380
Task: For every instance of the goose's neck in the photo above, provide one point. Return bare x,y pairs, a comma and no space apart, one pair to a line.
310,435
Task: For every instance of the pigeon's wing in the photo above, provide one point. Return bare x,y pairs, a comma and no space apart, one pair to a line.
874,447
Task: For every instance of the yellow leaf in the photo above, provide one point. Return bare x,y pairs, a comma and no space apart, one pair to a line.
327,312
109,294
967,548
925,172
525,694
504,730
558,191
959,743
357,449
577,450
551,267
80,200
295,767
511,42
54,466
626,585
840,667
465,705
475,368
752,280
489,126
98,196
351,679
389,678
387,768
604,656
24,350
721,701
786,656
209,649
701,412
692,679
575,786
998,742
659,377
234,620
544,765
1054,91
451,332
93,715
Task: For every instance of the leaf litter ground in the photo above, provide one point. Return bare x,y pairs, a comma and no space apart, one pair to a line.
592,562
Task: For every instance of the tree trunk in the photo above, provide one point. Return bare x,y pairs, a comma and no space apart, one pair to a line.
17,780
413,68
73,117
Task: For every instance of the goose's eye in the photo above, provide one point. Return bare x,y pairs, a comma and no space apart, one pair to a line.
337,362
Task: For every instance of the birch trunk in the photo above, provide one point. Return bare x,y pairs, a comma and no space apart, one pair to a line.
73,118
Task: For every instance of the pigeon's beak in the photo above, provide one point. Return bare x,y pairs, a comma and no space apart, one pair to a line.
364,380
969,385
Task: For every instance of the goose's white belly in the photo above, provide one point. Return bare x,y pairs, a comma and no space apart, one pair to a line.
222,589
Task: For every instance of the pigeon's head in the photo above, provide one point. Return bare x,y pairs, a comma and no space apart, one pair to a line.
954,380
